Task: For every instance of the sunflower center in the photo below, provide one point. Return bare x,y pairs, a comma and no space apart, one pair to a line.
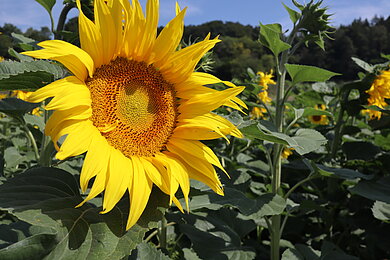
317,118
133,106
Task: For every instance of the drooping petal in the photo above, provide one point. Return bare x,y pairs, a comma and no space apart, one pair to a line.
205,103
77,141
198,150
96,161
120,178
106,26
181,64
75,59
139,192
90,37
168,40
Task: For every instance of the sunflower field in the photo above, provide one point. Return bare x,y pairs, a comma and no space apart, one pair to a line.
118,141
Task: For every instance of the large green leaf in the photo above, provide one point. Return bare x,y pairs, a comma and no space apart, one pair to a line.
270,37
16,107
34,247
216,234
149,251
304,73
47,197
381,210
259,131
374,190
294,15
12,68
26,81
265,205
308,140
47,4
301,252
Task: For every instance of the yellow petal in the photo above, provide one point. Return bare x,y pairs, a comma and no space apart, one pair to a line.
139,192
168,40
177,170
120,179
182,63
204,169
75,59
205,103
96,161
77,141
90,37
198,150
107,28
148,36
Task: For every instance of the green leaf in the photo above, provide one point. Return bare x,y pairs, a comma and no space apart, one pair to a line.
304,73
259,131
360,150
22,39
16,107
149,251
13,68
308,140
294,15
19,56
12,157
379,190
26,81
381,210
330,251
47,4
47,197
364,65
343,173
34,247
301,252
214,234
270,37
265,205
311,111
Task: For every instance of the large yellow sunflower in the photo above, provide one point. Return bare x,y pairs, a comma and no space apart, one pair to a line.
379,92
135,105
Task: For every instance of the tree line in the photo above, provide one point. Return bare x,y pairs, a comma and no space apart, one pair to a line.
240,49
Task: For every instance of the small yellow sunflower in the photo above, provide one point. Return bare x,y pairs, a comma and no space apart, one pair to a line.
135,105
265,79
24,95
379,91
319,119
286,152
257,112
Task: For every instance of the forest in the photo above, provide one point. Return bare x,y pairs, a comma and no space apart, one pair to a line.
239,48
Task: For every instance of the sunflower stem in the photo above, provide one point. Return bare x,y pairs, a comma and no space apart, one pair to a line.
162,234
47,146
32,140
62,19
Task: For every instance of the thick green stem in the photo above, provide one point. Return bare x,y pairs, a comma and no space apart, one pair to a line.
47,146
162,234
32,140
62,19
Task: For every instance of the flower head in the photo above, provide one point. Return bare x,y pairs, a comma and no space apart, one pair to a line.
286,152
23,95
257,112
319,119
135,105
264,80
378,92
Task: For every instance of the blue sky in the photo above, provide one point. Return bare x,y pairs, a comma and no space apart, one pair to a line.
28,13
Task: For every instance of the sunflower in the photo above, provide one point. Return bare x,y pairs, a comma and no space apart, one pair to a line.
319,119
257,112
286,152
135,106
264,80
23,95
379,91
